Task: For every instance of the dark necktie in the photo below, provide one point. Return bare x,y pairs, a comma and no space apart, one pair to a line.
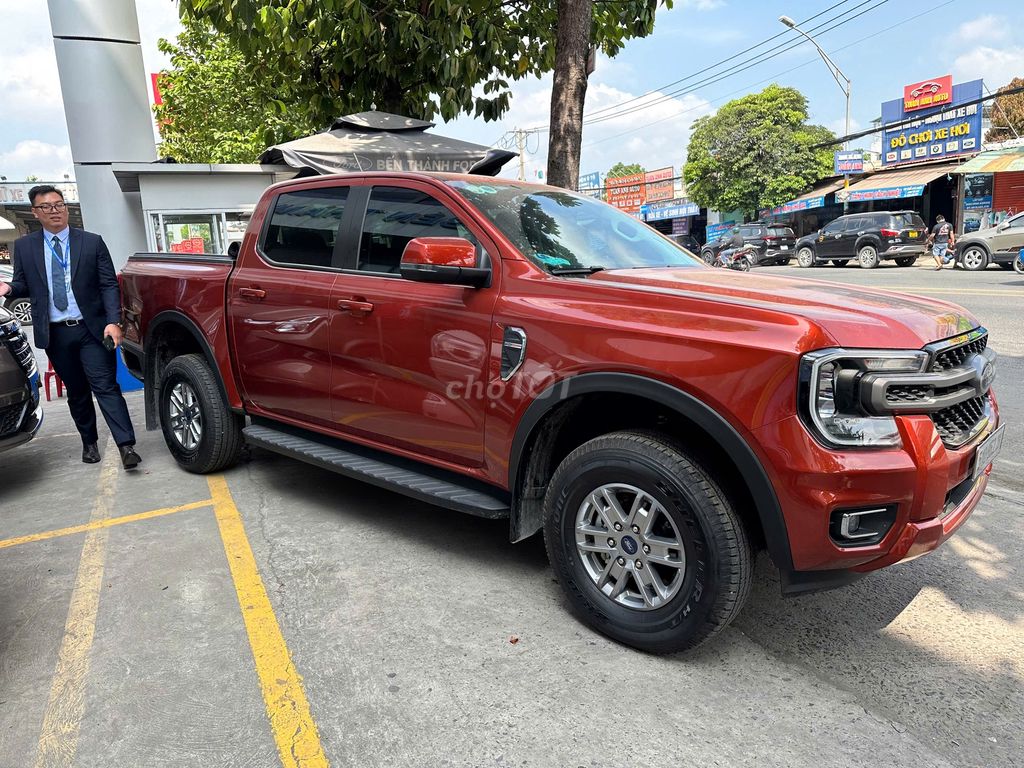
60,289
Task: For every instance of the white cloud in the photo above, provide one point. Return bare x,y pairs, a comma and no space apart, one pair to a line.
29,88
49,162
988,28
997,66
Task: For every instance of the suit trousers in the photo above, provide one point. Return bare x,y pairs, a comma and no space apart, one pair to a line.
87,368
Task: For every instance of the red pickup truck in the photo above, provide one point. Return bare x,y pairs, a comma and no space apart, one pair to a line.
523,352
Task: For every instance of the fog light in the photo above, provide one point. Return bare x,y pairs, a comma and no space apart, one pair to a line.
861,527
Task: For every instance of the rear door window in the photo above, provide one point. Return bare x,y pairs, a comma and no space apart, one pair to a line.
396,215
780,232
304,226
906,221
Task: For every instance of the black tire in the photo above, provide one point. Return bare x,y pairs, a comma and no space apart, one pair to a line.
906,261
219,441
708,257
686,507
974,258
805,257
867,255
22,310
744,264
1018,265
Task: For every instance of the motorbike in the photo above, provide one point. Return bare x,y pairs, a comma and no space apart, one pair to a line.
1018,263
739,258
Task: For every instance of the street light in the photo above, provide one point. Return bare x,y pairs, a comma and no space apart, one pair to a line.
836,72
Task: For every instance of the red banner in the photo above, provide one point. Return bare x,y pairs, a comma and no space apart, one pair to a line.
626,193
928,93
660,185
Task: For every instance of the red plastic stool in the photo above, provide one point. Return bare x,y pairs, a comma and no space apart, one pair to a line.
52,374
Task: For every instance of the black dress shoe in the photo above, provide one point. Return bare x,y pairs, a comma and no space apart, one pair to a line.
90,453
129,458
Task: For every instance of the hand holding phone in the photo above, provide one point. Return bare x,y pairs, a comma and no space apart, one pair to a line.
109,344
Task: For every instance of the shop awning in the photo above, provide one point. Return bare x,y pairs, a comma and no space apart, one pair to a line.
813,199
995,161
895,184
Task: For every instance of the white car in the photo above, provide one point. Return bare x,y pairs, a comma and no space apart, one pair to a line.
20,308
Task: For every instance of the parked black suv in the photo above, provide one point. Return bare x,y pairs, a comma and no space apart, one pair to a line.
21,411
775,243
867,237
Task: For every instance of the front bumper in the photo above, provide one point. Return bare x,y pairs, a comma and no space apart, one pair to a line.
924,480
30,424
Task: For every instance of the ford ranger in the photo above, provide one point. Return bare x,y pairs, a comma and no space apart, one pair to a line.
523,352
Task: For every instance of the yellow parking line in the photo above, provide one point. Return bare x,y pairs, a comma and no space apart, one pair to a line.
58,739
298,742
95,525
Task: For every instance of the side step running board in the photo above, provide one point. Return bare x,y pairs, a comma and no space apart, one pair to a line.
395,474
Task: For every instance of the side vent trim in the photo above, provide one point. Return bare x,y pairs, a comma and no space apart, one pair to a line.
513,352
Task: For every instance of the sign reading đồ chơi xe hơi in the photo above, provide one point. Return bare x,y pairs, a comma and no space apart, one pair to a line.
627,193
941,131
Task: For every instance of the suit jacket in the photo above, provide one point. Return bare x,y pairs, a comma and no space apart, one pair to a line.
93,281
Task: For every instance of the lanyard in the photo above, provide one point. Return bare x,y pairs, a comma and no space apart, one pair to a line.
63,261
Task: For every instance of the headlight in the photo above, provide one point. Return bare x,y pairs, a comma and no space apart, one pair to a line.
830,400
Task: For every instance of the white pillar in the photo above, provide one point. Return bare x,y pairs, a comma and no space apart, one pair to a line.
106,103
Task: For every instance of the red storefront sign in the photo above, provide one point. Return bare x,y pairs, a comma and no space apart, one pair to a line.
660,185
626,193
928,93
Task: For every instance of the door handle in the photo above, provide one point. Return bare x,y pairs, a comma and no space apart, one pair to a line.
355,306
252,293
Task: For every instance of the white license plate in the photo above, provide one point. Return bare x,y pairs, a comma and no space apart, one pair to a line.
784,247
987,451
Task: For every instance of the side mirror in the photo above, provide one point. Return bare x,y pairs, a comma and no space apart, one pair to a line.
233,249
449,260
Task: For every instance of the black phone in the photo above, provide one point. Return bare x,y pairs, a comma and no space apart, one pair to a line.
108,342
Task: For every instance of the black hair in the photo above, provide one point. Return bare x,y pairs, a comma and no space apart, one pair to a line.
43,189
940,217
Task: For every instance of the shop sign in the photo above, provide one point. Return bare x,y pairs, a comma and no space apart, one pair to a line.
590,184
626,192
887,193
928,93
851,161
671,209
660,184
977,191
955,130
794,206
680,226
16,192
715,231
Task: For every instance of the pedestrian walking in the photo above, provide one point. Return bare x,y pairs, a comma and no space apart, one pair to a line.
941,241
76,309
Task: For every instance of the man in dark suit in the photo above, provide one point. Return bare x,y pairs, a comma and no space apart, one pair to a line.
76,307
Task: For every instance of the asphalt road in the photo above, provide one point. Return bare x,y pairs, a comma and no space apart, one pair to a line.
423,638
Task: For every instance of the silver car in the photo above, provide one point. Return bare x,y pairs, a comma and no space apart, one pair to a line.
20,308
994,245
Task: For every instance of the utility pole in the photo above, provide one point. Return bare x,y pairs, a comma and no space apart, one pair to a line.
521,149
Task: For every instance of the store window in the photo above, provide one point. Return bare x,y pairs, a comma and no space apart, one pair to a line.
196,231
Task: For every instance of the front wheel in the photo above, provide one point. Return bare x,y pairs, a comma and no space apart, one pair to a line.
974,258
743,264
708,257
868,257
805,257
646,546
200,430
906,261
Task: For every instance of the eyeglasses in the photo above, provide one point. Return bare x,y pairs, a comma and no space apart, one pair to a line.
47,207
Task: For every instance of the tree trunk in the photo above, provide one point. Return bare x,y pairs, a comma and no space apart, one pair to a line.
569,91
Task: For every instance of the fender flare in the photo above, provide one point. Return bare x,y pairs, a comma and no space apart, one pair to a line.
871,240
183,321
769,511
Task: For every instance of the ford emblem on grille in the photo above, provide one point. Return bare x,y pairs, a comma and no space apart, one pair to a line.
984,373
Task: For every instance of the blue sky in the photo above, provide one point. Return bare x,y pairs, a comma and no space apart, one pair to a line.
893,43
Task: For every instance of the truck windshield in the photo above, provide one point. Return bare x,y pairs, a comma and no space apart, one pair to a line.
567,233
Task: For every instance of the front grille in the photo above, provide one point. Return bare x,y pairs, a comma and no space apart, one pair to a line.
957,424
955,357
21,350
908,394
10,419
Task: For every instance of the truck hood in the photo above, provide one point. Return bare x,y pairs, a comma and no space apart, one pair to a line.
851,315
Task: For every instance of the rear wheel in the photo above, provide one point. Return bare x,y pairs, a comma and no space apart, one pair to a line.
708,257
974,258
805,257
200,430
645,544
906,261
868,257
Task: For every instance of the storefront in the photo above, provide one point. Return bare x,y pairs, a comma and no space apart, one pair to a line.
993,188
928,188
809,212
676,217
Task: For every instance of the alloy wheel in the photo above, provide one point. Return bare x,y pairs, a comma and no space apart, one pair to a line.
630,546
185,415
974,259
22,311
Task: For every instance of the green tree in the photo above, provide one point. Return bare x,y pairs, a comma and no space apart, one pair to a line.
417,57
32,177
756,151
1007,113
621,169
215,108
